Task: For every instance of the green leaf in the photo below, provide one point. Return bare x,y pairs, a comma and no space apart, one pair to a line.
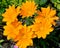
42,2
20,2
53,1
23,0
42,42
58,6
37,1
1,17
1,41
58,1
29,21
0,46
59,14
3,3
1,11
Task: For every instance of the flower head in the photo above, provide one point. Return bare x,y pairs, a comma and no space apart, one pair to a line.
24,38
44,21
11,14
11,30
28,9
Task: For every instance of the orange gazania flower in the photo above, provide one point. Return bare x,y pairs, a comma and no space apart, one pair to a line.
11,14
24,38
47,13
44,21
11,30
28,9
42,29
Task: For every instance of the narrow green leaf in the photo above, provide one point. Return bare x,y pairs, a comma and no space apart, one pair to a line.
1,41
